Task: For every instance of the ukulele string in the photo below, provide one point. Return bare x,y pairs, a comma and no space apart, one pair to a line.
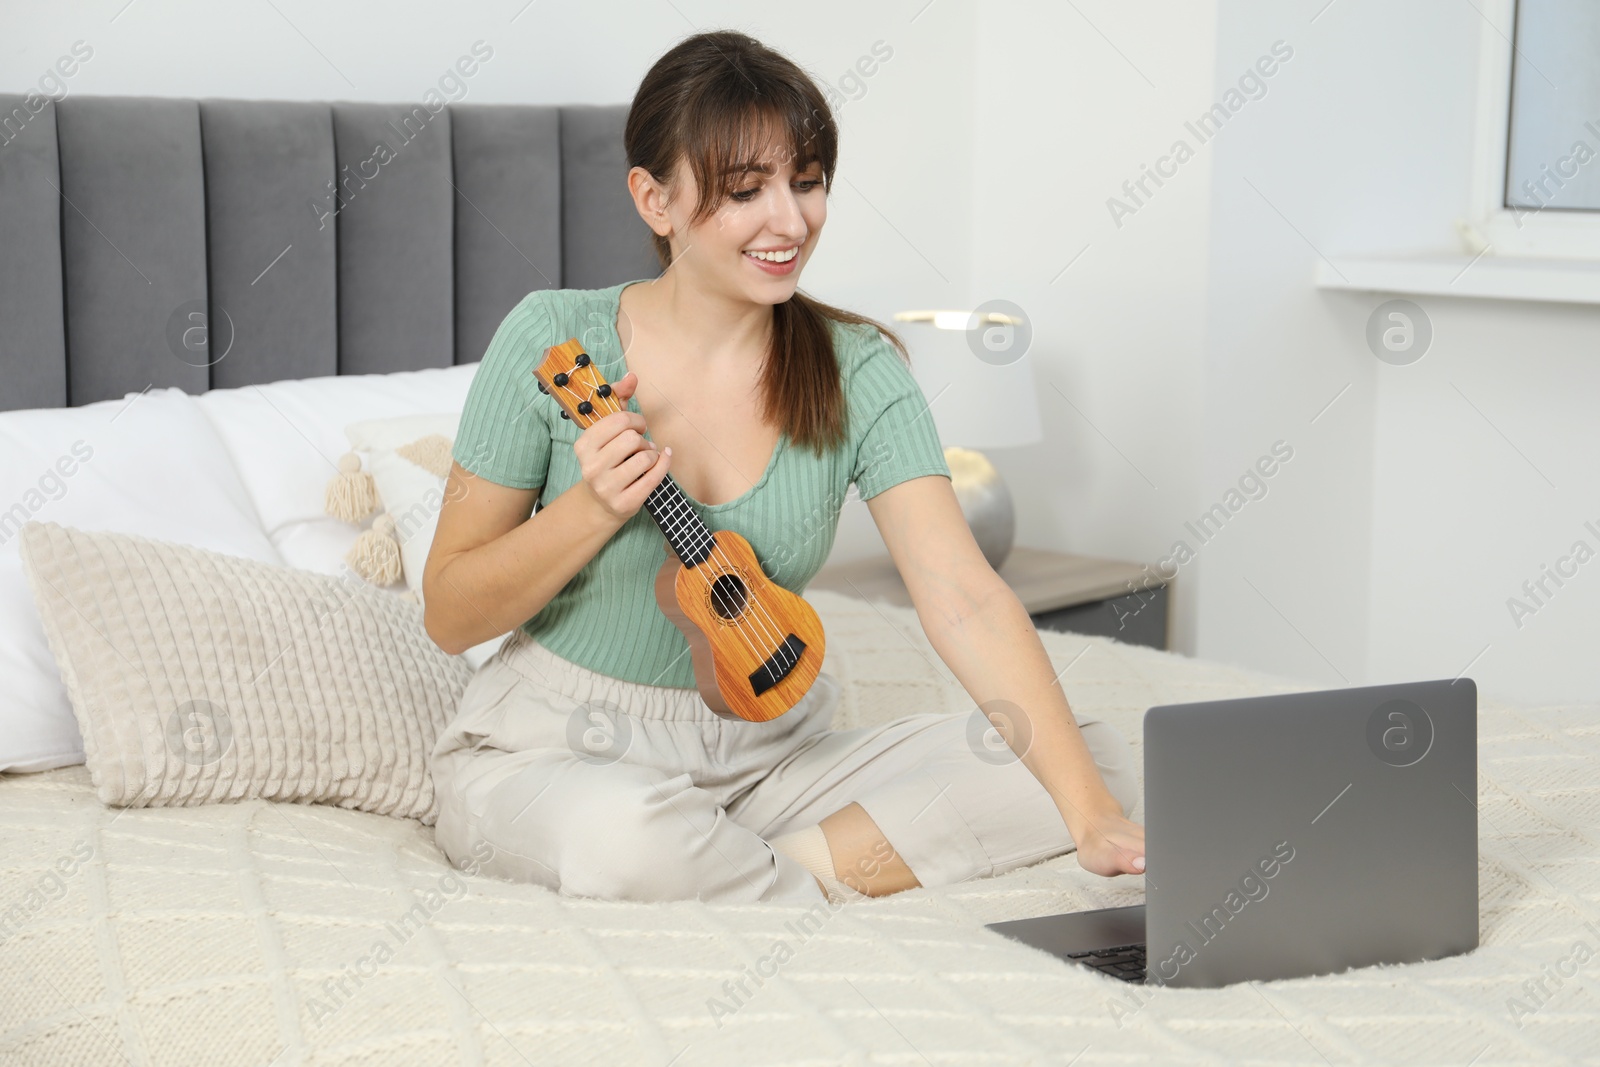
684,521
726,606
761,616
773,632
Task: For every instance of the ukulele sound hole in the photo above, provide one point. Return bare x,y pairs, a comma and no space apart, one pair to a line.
728,596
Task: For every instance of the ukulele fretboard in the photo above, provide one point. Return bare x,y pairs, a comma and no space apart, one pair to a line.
689,537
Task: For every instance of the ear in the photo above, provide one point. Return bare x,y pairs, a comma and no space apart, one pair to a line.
650,200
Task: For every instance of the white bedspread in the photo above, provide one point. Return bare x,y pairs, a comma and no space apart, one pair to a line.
222,934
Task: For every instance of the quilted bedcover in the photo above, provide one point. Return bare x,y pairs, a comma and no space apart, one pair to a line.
260,933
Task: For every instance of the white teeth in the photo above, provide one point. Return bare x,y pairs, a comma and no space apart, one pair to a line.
776,257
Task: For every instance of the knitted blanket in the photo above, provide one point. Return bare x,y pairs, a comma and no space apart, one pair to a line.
280,934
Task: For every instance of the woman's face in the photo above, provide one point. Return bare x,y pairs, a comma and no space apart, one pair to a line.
758,240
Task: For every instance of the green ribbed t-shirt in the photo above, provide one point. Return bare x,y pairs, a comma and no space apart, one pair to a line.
606,618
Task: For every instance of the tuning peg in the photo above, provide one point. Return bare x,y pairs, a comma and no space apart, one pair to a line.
604,390
584,407
561,380
582,360
542,387
564,414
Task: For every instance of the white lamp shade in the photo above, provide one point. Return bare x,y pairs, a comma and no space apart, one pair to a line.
975,404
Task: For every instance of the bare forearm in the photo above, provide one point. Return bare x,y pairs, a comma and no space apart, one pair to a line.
995,652
489,590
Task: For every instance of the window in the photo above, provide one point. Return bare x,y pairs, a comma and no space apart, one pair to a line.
1537,178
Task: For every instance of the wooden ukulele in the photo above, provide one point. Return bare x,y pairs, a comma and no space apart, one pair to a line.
756,646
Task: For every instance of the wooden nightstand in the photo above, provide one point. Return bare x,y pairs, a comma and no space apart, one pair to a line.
1080,594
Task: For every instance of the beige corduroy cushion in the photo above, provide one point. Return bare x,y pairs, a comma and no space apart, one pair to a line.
199,677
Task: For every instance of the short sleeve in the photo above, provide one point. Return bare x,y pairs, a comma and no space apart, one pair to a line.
504,434
899,440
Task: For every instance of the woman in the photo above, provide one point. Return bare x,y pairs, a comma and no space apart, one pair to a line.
581,756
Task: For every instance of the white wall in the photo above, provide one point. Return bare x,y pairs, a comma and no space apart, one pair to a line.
1391,542
1071,103
977,163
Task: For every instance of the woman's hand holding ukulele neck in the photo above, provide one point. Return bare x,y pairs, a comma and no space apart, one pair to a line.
620,465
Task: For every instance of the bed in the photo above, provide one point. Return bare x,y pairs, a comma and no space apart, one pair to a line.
248,932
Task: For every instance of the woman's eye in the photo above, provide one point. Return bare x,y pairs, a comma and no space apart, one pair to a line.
744,196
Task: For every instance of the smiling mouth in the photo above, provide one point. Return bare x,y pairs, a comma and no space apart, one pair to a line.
776,257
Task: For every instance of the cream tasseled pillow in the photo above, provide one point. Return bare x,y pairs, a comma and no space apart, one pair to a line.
199,677
397,467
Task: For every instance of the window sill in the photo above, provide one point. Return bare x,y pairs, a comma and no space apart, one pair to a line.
1567,281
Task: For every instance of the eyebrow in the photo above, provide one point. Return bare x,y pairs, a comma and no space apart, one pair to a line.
744,168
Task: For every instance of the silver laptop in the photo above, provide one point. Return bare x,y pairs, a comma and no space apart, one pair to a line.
1293,835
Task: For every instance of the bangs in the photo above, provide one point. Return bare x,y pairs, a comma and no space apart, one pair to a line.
733,129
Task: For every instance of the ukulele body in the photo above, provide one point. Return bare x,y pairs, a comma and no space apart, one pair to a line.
756,647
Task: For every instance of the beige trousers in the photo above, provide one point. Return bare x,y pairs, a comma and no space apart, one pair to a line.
599,787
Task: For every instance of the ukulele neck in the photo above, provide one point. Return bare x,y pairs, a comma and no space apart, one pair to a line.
690,539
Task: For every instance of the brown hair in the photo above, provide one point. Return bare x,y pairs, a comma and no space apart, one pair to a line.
702,101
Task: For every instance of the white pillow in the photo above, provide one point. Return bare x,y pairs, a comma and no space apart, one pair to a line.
411,495
286,439
148,464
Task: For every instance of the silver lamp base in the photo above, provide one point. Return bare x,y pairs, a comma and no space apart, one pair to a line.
985,501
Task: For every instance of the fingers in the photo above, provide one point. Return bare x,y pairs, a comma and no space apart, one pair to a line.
621,466
609,426
617,419
615,470
1114,849
1121,857
1131,851
1120,860
647,481
624,487
623,446
625,386
610,441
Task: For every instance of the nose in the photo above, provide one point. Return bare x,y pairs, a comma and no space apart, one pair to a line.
786,219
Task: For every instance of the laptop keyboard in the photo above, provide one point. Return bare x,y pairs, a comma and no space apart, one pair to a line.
1123,961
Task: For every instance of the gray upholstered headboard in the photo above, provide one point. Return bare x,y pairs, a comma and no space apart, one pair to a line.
217,243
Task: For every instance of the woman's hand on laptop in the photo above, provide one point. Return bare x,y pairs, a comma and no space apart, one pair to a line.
1110,844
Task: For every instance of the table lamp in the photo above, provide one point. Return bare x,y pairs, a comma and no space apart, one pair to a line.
973,368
